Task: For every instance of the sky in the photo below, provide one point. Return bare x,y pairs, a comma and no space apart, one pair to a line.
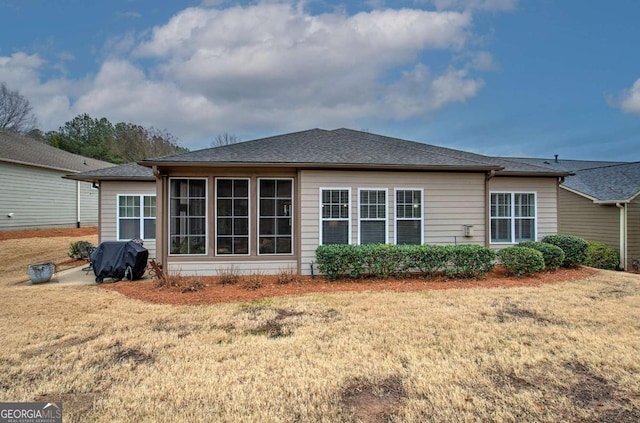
523,78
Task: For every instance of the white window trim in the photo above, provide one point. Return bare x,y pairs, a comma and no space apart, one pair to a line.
206,217
140,218
395,212
321,219
215,217
513,218
386,212
292,217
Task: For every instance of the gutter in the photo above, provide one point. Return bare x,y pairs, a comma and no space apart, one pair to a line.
623,234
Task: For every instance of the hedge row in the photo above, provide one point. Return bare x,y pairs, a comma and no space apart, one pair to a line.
383,260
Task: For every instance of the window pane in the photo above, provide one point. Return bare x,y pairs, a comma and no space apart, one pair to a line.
409,232
335,232
196,245
267,245
149,229
241,226
525,205
372,232
224,226
500,230
224,207
267,188
224,245
224,187
149,206
241,207
129,229
240,188
284,226
196,188
267,226
283,207
525,230
267,207
284,188
240,245
197,207
283,245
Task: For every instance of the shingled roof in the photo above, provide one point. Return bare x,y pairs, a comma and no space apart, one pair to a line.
16,148
125,172
341,148
607,184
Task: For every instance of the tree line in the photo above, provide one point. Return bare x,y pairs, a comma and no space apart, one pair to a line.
87,136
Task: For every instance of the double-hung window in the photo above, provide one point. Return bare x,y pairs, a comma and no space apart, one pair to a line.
513,217
187,216
232,216
276,216
335,208
136,217
409,216
373,216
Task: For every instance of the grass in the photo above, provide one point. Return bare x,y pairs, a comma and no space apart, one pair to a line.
561,352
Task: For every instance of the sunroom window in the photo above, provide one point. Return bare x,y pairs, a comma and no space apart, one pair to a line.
276,216
187,216
232,216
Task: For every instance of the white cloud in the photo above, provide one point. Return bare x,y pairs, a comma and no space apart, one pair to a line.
488,5
268,66
629,101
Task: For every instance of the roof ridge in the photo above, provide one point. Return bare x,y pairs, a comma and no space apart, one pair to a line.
609,166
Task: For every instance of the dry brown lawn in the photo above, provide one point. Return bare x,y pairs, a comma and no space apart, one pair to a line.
568,351
19,249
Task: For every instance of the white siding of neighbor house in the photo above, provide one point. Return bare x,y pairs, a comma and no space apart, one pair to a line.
41,198
546,190
450,201
109,191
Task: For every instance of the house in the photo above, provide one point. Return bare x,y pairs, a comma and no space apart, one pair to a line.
32,191
127,203
600,202
265,205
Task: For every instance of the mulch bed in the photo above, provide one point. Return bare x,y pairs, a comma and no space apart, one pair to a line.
212,292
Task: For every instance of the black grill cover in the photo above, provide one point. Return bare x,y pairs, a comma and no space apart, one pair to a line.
117,259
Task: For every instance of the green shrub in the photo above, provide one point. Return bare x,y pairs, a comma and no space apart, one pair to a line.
336,261
575,248
521,261
470,261
428,259
80,250
601,256
553,255
384,260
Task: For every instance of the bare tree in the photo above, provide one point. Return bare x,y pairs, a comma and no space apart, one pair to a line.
224,139
15,111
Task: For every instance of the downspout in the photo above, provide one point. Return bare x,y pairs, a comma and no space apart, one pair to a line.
487,202
623,235
78,195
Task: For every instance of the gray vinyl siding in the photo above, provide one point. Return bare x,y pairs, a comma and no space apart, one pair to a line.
633,231
450,201
594,222
109,191
41,198
546,190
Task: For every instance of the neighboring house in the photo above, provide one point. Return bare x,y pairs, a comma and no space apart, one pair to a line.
127,203
600,202
266,205
32,191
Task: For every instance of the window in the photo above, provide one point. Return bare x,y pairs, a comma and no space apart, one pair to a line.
409,216
136,217
335,205
513,217
232,216
187,216
373,216
275,216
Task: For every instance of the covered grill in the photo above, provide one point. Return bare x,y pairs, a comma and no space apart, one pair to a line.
119,260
